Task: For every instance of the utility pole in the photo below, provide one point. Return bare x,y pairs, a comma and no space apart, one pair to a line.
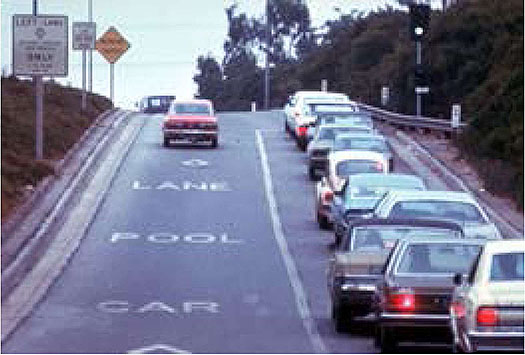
267,59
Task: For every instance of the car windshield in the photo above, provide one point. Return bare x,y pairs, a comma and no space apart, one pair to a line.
507,267
385,236
337,107
437,258
354,166
192,109
158,101
361,143
451,210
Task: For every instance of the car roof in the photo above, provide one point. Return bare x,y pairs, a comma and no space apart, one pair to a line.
192,101
343,125
454,196
375,178
434,240
360,135
430,223
505,246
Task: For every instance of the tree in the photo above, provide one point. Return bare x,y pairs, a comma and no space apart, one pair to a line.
209,79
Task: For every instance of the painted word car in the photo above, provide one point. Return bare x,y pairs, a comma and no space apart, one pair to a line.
191,120
487,306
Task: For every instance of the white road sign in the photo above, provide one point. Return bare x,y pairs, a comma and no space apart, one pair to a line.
422,90
84,35
40,45
456,115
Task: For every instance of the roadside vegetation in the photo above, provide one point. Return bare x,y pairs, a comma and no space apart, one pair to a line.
64,124
473,55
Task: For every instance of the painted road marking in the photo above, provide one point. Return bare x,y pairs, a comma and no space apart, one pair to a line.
171,238
158,349
182,186
300,295
195,163
187,307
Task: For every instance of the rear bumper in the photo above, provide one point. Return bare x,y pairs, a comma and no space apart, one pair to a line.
357,298
418,327
192,134
495,341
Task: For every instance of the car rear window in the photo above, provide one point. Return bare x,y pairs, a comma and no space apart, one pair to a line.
437,258
192,109
362,143
349,167
451,210
507,267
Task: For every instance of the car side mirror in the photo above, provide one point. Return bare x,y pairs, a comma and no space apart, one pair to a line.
458,279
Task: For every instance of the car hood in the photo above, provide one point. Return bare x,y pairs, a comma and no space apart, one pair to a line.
480,230
502,293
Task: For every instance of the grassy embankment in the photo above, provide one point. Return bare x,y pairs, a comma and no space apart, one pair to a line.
64,124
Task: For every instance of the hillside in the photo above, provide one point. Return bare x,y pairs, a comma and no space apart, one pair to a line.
64,124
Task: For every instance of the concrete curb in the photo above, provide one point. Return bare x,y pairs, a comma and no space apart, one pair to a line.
22,300
20,212
35,238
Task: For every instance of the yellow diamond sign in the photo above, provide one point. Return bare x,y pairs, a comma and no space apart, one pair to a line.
112,45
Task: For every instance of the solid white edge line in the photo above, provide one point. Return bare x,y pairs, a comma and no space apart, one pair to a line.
295,281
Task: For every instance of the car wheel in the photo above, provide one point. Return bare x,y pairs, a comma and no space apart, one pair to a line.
214,142
387,340
311,174
166,142
322,221
342,318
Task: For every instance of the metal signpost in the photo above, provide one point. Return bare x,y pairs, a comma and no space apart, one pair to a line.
456,115
112,45
84,35
40,48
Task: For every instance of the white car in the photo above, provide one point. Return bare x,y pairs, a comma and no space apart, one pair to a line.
487,306
341,165
460,207
299,115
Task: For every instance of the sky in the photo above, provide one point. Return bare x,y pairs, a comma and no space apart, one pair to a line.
166,37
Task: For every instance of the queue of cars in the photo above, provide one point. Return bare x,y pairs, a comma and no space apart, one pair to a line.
402,252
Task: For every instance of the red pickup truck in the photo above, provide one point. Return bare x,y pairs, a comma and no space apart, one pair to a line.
191,120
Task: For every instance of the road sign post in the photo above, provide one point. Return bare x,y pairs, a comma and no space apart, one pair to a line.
456,116
112,45
40,48
84,35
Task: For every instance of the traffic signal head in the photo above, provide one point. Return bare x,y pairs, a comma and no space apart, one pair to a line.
419,20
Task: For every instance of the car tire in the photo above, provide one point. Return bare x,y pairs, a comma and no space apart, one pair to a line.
342,318
323,221
166,142
387,340
214,142
311,174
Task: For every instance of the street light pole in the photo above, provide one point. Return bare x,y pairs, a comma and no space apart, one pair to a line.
39,107
418,64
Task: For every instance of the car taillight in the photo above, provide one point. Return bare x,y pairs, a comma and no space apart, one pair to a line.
401,302
301,130
328,196
487,316
379,166
458,310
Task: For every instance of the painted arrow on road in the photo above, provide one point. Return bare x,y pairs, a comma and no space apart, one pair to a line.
195,163
158,349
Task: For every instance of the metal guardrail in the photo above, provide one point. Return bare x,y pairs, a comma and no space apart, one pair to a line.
412,121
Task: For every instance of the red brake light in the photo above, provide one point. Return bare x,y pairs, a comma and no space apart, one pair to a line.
402,302
301,130
487,316
328,196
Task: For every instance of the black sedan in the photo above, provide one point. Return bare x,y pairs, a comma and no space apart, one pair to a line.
412,300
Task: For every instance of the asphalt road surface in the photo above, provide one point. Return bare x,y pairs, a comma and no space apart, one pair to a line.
200,250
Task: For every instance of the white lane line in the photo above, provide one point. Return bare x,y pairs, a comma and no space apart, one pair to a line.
298,289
